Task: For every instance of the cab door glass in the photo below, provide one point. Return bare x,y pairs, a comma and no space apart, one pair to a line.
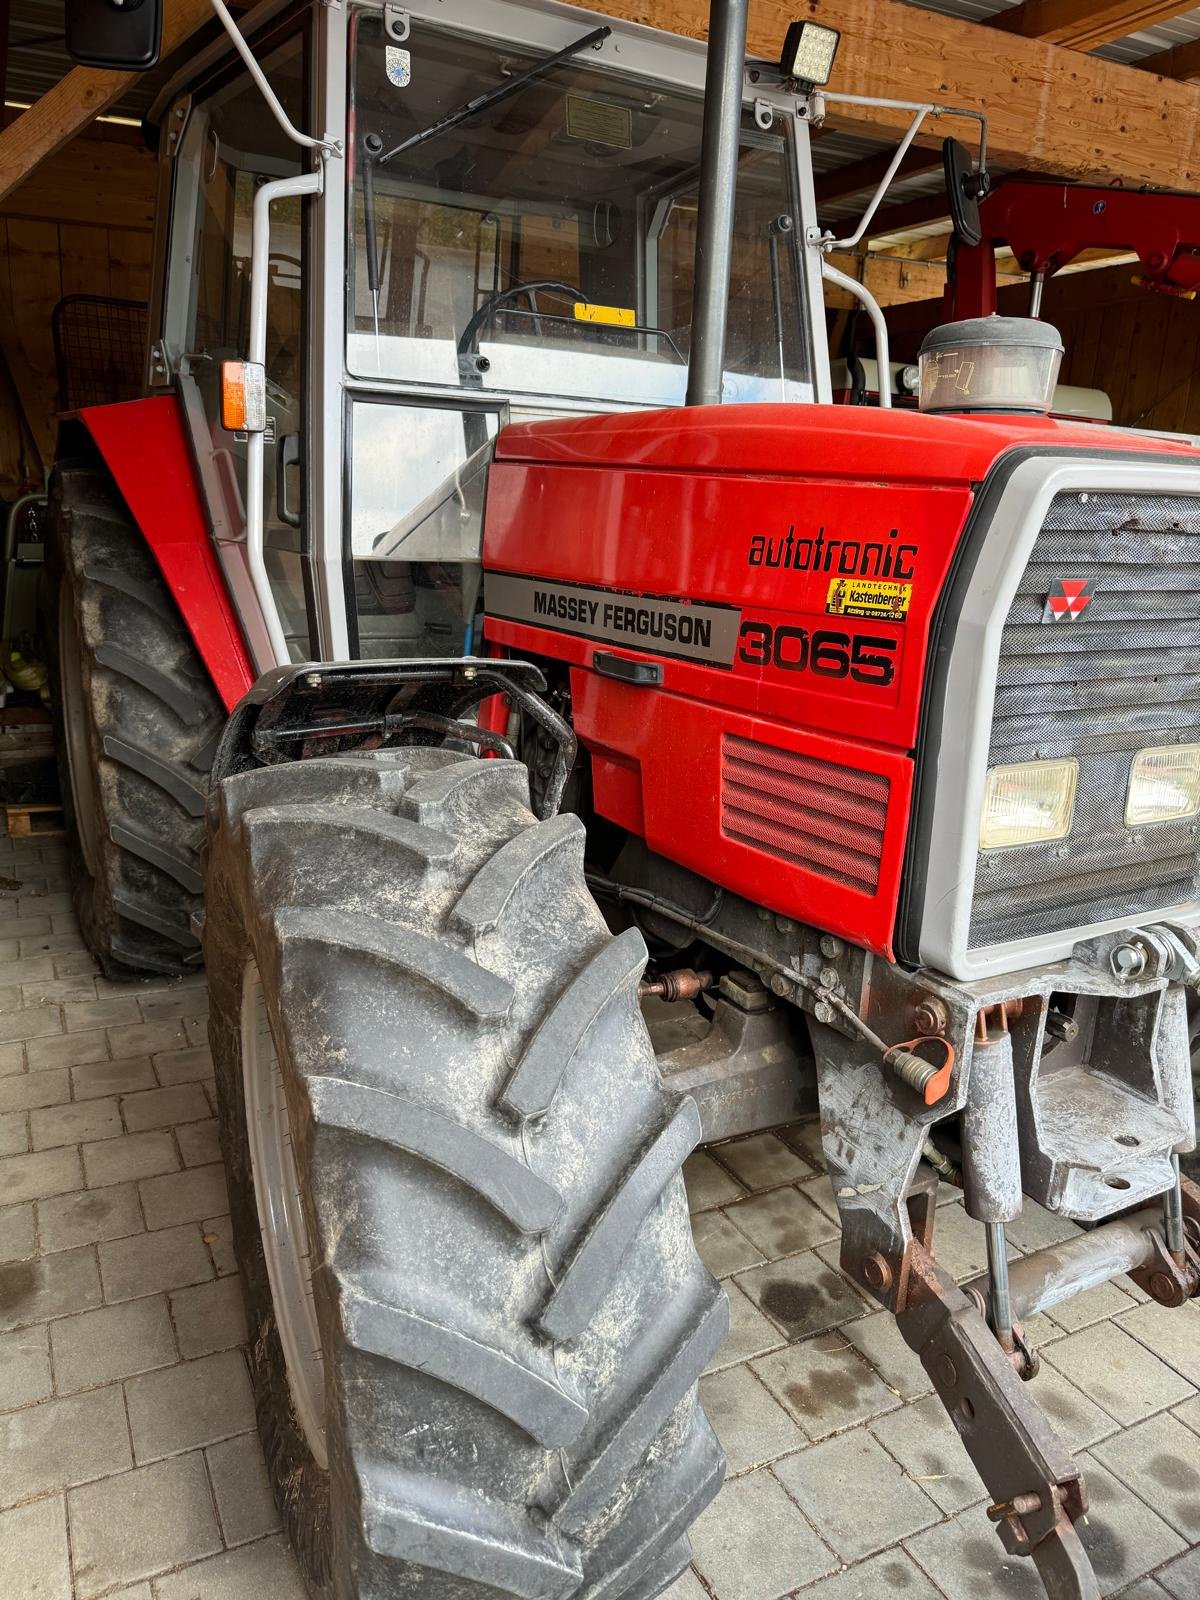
235,145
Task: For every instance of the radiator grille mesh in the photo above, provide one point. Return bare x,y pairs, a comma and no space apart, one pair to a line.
814,814
1125,674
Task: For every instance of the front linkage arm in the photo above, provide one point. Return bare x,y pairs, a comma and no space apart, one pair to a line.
1037,1492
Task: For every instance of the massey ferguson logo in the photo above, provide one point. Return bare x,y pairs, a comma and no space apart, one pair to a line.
1068,599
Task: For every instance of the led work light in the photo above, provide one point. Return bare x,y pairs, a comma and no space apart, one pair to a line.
808,52
1027,803
1164,785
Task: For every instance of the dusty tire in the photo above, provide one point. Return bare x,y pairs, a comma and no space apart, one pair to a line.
136,720
512,1314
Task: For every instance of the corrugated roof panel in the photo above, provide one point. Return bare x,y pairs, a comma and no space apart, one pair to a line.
1180,30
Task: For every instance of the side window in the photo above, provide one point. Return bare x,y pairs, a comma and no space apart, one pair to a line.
232,146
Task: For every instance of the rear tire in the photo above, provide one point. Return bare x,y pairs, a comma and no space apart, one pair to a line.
137,722
512,1316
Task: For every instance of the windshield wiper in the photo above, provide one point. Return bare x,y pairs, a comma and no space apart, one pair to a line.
374,155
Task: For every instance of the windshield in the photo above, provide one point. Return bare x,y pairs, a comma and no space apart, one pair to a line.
544,245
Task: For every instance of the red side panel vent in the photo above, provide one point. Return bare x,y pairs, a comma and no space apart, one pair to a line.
815,814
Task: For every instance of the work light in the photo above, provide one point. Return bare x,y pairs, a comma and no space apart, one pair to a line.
1164,785
1027,803
808,52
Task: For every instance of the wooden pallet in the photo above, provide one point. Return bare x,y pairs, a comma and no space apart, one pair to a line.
34,822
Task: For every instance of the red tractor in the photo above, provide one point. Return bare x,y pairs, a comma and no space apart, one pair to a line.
555,776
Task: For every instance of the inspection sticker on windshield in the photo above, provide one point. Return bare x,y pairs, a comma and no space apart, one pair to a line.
612,316
399,66
868,597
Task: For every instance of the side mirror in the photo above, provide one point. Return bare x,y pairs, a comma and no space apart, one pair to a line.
964,189
106,33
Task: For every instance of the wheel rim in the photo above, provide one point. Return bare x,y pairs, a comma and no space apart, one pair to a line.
281,1218
79,766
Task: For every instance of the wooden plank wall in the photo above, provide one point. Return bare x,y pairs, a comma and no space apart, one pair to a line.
1141,348
82,224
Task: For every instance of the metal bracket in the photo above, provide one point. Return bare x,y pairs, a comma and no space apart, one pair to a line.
397,23
764,114
1037,1491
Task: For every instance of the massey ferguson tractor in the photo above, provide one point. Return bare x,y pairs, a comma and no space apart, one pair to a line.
567,738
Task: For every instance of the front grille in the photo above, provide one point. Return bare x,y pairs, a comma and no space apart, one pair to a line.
1123,675
814,814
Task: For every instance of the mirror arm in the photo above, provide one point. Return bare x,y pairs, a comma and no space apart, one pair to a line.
883,354
325,147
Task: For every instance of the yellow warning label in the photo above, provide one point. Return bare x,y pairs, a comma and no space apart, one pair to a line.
614,316
868,597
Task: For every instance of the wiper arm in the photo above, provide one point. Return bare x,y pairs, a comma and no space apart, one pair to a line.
374,156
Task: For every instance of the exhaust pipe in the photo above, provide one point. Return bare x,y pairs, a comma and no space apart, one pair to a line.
718,194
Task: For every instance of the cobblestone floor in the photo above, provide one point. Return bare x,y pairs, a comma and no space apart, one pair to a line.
129,1468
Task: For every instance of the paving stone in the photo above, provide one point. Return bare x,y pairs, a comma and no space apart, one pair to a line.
805,1139
687,1586
45,1172
196,1029
1078,1420
26,927
145,1522
1118,1373
708,1184
193,1403
881,1341
891,1576
65,1050
1189,1414
35,1089
1145,1589
147,1263
966,1560
825,1383
926,1444
245,1504
82,1015
858,1498
145,1038
1173,1333
1093,1305
183,1066
1181,1579
14,1133
218,1236
47,1286
750,1333
89,1216
72,1124
267,1568
960,1243
112,1077
52,944
62,1442
820,1191
12,1058
56,991
33,969
752,1543
16,1232
1158,1459
762,1161
750,1423
782,1222
1036,1228
199,1142
163,1108
30,1022
209,1316
35,1563
184,1196
132,1155
113,1342
722,1248
24,1369
803,1295
71,962
1124,1538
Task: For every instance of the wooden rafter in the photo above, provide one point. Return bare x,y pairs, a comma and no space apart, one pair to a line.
1084,24
1182,63
1051,110
84,94
861,177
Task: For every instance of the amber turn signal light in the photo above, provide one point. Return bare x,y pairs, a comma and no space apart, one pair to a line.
243,397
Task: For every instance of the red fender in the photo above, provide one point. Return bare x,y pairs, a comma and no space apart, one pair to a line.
145,447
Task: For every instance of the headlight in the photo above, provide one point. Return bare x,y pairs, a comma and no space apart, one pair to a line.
1164,784
1027,803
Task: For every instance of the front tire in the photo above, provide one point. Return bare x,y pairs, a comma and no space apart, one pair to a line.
512,1316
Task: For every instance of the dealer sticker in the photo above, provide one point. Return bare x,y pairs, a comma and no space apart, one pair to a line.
868,597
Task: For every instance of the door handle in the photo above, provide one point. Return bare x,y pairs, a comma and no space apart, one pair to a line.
287,456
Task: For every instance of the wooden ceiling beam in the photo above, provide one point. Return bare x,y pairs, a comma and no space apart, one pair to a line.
79,98
1051,110
1085,24
1182,63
